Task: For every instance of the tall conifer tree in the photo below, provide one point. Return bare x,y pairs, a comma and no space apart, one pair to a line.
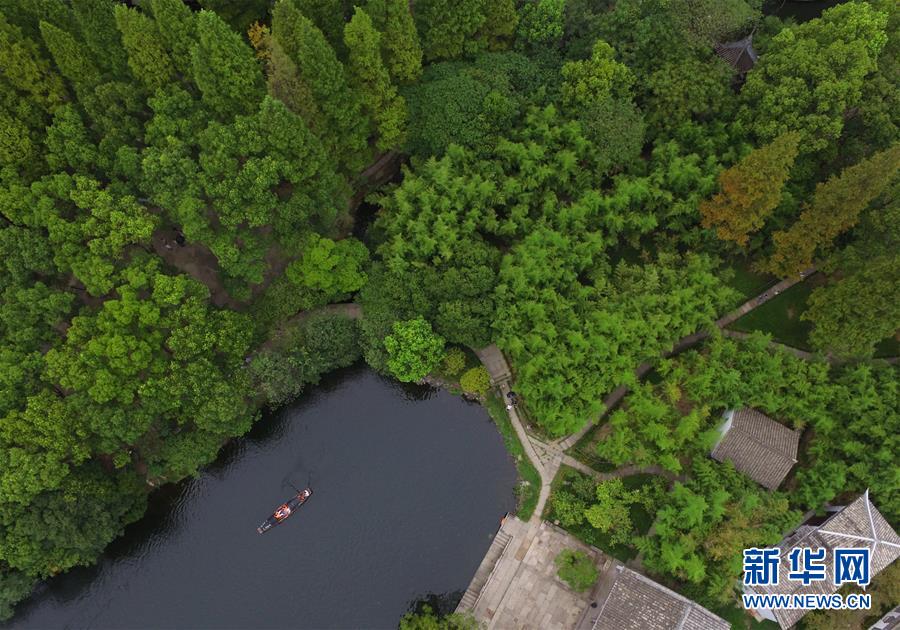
177,28
225,68
835,208
329,17
371,79
147,56
400,47
70,57
98,29
346,128
750,190
23,64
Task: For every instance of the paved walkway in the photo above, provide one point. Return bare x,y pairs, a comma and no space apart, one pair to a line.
517,586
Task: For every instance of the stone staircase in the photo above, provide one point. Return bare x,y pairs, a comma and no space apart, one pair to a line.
485,569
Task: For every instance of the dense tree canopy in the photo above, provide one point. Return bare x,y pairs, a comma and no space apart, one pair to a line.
813,73
180,181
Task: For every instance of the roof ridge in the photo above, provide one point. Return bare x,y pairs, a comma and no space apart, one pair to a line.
874,538
766,446
684,616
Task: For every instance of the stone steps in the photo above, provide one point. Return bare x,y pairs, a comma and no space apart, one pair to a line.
470,597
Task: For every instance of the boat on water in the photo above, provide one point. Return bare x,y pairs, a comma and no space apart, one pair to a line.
283,511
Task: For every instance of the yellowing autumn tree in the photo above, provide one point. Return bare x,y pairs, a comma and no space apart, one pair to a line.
750,190
835,208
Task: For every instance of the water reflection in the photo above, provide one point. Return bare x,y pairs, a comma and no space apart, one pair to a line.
410,483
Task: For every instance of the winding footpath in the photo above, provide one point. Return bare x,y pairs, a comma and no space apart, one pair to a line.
616,395
505,577
548,456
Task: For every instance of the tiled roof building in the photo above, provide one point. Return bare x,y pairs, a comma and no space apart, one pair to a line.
638,603
856,525
758,446
739,55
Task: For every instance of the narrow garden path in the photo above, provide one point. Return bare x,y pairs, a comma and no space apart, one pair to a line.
618,473
548,456
498,369
616,395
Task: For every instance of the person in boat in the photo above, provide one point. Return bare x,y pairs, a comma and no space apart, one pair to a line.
282,512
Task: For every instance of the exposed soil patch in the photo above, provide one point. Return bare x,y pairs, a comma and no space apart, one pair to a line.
195,260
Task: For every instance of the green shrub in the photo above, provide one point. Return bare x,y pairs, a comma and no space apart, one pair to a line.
454,362
303,354
475,381
576,569
414,349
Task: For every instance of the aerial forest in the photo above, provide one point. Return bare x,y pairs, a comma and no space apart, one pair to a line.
185,188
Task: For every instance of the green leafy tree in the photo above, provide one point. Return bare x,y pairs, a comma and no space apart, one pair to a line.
597,78
616,128
89,226
147,56
707,22
427,620
852,315
812,74
568,508
68,142
400,47
87,512
500,22
301,354
454,362
266,176
750,190
448,28
541,23
611,514
577,569
367,73
334,267
224,68
414,349
475,381
685,91
472,105
853,311
14,586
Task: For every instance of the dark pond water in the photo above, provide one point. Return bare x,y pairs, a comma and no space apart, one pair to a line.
800,10
410,484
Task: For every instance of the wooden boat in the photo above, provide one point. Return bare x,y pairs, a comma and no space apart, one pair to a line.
283,511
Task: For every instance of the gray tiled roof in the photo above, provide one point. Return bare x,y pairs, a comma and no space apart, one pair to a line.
859,524
638,603
759,447
739,55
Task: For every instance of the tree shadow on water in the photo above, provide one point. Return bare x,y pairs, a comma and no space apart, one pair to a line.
440,603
